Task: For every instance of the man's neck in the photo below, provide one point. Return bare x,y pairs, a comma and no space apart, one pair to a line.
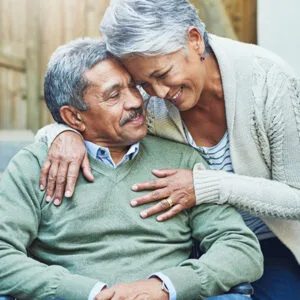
117,153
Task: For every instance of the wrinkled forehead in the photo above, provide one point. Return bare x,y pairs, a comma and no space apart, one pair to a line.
107,73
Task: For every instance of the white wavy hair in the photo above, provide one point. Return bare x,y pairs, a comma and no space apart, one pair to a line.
149,27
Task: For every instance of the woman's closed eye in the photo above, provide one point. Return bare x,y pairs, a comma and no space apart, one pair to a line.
163,75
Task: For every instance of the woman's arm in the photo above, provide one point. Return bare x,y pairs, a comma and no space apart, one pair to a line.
67,154
276,197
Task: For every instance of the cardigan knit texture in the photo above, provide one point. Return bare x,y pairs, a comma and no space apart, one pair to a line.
60,253
262,102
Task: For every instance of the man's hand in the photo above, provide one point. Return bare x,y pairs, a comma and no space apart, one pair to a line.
149,289
175,189
61,168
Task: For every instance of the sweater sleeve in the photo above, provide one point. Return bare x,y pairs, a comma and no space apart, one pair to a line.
20,214
276,131
48,133
232,254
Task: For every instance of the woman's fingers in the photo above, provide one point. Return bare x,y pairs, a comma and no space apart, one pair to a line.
175,203
173,191
60,182
86,168
176,209
162,206
149,185
52,175
73,173
60,171
150,197
163,172
44,174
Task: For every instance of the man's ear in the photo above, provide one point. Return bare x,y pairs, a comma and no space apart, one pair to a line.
195,40
72,117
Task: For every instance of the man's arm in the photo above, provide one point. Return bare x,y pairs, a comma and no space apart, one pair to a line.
232,254
20,215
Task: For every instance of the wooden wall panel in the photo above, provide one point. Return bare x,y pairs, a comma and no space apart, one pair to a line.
243,18
12,44
59,22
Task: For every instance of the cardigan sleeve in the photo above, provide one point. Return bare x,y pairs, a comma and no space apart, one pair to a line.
20,215
48,133
276,131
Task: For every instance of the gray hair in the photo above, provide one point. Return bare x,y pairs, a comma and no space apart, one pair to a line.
65,83
149,27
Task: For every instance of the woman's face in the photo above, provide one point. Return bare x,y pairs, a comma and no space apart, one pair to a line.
178,77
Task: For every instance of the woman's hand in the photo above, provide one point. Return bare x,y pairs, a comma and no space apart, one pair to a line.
174,189
60,170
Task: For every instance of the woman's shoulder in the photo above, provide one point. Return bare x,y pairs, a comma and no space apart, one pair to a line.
248,58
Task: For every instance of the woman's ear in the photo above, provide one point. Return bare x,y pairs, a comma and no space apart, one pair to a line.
72,117
195,40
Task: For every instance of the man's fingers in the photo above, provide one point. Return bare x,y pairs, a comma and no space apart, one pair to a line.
170,213
164,172
150,197
51,181
149,185
86,168
44,174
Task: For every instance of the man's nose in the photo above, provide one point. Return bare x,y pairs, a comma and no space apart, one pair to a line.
160,90
133,99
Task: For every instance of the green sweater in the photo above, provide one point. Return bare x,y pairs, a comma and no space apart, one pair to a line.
48,252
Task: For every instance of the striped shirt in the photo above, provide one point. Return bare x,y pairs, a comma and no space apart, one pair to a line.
218,158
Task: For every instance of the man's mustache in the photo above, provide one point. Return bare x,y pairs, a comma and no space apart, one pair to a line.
133,114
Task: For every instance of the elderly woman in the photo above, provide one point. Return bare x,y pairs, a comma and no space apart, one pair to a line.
238,104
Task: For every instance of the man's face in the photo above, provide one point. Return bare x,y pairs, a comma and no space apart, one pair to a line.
116,113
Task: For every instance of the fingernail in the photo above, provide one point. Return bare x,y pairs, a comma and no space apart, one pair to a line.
41,187
159,218
134,187
56,202
48,198
143,214
133,203
68,194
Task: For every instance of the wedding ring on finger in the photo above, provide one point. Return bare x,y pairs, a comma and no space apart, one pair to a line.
170,202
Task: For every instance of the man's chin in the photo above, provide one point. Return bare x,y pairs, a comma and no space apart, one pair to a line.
136,138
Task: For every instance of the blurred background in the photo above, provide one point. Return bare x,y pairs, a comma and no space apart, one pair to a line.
30,30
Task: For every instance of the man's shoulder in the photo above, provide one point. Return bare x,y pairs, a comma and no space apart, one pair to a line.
170,154
36,151
161,144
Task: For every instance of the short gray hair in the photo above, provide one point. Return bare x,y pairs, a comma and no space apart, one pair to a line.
149,27
65,83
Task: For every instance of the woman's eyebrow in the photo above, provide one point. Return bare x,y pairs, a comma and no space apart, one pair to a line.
156,72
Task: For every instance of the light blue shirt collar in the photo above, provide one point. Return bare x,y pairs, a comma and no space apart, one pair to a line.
103,153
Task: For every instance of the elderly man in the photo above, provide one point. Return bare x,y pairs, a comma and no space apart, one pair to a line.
96,246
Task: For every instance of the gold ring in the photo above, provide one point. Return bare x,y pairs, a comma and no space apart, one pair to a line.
169,200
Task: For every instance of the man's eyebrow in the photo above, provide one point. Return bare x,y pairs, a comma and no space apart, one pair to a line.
111,88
